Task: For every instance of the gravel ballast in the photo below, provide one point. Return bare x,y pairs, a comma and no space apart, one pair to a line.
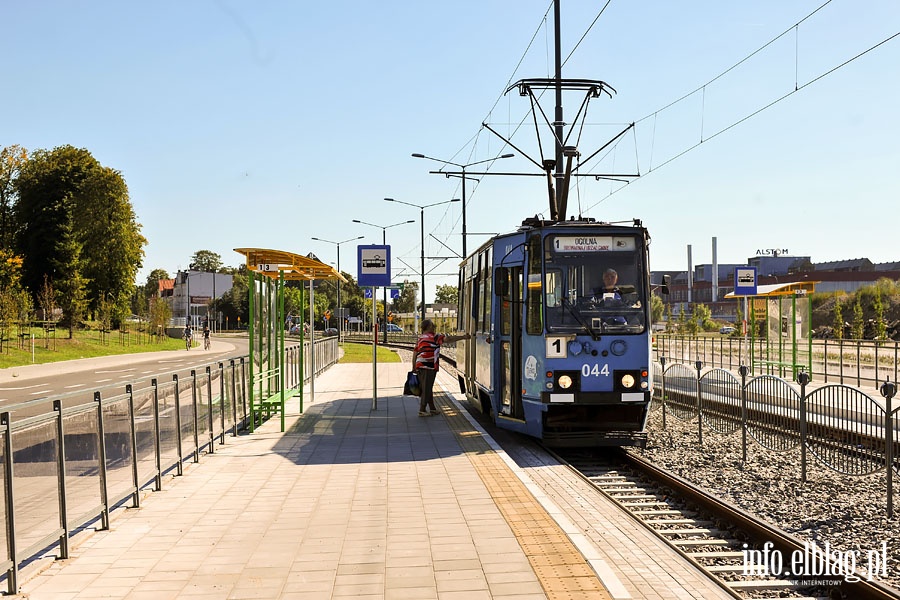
847,512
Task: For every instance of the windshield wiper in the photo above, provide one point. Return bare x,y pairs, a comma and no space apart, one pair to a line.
576,314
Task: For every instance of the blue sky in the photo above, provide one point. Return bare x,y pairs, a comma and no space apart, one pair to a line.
264,124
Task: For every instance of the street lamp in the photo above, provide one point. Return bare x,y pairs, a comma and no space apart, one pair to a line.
422,208
462,176
384,229
340,307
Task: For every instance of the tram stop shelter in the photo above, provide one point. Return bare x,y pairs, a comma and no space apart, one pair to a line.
780,327
273,375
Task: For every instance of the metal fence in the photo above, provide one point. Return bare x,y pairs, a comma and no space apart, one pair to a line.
863,363
66,467
841,427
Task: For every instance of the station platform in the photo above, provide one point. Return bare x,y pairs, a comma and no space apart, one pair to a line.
351,502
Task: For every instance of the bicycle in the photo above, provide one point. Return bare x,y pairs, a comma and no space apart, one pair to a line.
187,342
206,343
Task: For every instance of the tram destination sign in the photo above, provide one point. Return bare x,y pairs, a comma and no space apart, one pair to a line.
592,243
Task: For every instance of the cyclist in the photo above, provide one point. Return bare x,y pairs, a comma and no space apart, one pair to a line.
206,341
188,336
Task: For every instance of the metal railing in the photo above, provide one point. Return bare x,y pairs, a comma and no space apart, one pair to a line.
864,363
841,427
65,467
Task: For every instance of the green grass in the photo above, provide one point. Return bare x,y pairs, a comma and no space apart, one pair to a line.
85,344
362,353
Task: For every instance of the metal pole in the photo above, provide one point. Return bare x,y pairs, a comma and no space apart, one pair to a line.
384,323
340,315
464,253
558,122
375,358
312,345
422,214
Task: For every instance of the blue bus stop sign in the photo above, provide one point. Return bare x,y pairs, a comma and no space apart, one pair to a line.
373,266
745,281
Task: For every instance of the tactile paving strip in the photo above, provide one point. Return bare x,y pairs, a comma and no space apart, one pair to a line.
560,567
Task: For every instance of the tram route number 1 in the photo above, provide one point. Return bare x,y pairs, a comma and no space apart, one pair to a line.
556,349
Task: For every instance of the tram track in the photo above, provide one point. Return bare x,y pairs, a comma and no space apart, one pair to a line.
747,556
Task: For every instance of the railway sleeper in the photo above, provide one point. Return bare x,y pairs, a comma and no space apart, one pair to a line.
693,531
700,543
699,523
717,554
759,585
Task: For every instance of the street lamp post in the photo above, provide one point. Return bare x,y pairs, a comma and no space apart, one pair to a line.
422,208
384,229
462,176
340,308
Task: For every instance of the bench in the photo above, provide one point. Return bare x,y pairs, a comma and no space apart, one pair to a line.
274,402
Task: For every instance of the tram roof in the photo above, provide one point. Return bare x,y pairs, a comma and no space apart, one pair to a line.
294,266
788,288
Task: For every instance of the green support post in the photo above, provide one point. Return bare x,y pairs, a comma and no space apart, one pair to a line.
250,288
280,323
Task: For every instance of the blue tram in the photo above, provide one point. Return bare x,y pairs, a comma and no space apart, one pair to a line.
555,353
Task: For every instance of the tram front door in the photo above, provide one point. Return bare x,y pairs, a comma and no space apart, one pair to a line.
511,346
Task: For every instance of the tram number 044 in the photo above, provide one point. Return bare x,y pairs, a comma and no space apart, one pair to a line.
594,370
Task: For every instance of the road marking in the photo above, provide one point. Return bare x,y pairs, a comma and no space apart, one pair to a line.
27,387
47,391
103,380
115,371
69,387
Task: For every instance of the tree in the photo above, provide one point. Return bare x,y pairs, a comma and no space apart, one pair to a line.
65,272
47,300
838,323
12,158
406,301
160,313
66,193
447,294
738,323
112,247
233,304
206,261
878,308
703,317
656,309
858,325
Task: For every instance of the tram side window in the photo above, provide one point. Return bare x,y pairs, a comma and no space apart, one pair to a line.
460,301
534,324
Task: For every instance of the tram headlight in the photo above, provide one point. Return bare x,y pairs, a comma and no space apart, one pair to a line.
564,382
627,381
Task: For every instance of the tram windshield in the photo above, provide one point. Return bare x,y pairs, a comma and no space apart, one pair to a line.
594,284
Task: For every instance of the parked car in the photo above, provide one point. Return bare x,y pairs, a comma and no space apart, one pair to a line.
330,331
391,328
726,330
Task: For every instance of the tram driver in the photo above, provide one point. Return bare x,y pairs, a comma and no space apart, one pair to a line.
609,293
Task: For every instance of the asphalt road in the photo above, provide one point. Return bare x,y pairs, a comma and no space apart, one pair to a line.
77,380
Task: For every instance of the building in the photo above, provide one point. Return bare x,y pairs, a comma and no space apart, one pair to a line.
835,276
192,291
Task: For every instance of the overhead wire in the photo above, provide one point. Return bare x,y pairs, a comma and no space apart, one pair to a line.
797,88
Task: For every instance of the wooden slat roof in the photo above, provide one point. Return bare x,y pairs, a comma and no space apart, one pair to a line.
294,266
